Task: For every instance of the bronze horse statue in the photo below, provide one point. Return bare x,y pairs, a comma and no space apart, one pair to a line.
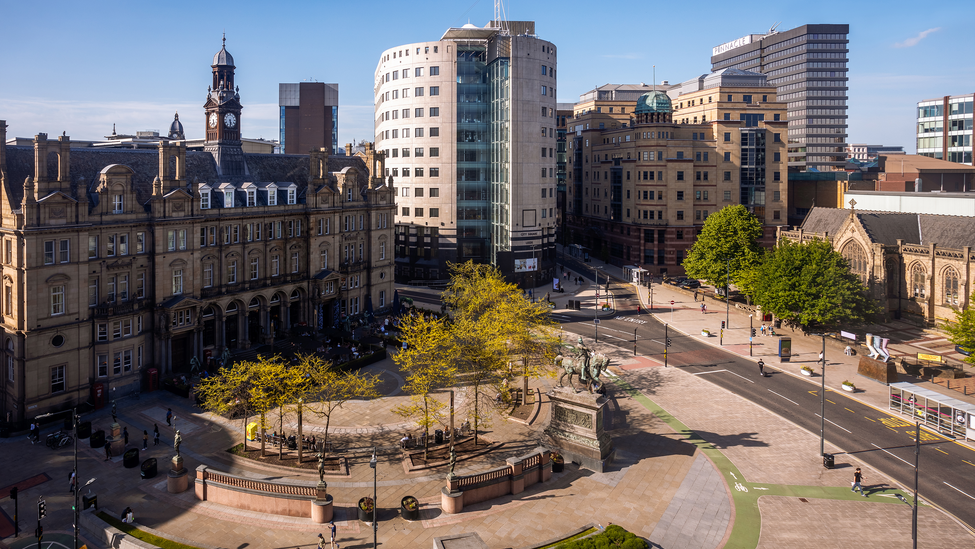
576,366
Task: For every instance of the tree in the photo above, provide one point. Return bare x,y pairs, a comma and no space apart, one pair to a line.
327,387
962,331
428,367
228,393
266,394
809,285
727,242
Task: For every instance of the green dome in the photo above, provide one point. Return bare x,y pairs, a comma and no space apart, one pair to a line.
654,102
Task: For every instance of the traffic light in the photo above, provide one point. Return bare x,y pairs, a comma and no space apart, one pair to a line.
753,332
668,342
722,325
13,493
41,509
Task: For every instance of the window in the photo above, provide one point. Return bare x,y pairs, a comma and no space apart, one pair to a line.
776,214
918,282
434,111
680,194
140,241
435,70
950,286
727,137
123,244
417,212
112,284
57,379
92,247
434,151
324,257
727,196
434,90
57,300
776,176
49,252
251,198
434,172
208,275
204,200
116,330
680,176
123,287
177,281
232,272
727,176
64,251
254,268
776,196
117,363
103,332
140,285
418,71
434,132
857,259
272,196
292,196
275,265
776,137
228,199
170,242
294,262
418,112
117,204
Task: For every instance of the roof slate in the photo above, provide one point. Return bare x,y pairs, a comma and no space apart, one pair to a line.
947,231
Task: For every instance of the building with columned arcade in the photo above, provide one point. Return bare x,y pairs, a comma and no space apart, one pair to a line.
118,262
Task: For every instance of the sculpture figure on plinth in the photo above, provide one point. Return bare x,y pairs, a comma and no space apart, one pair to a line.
453,462
584,362
321,467
177,442
195,366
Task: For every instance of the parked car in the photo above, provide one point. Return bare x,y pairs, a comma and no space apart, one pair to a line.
677,281
689,284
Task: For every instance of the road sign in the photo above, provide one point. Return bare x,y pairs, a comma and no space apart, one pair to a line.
595,321
671,301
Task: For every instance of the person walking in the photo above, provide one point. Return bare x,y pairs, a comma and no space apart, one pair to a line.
169,417
125,435
33,432
71,481
331,531
145,439
108,451
703,307
155,435
761,368
857,480
321,541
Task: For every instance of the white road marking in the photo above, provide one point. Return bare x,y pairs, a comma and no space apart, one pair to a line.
787,398
904,460
969,495
844,428
741,376
709,372
732,474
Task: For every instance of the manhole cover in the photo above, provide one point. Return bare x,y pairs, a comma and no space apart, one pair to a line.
804,500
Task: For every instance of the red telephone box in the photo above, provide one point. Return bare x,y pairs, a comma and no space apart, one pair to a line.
98,395
152,381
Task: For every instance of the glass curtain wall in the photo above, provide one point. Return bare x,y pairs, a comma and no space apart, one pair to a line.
473,150
753,171
500,157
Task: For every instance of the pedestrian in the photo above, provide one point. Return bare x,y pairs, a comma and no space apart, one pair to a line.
762,329
761,368
169,417
33,432
108,451
125,435
155,435
857,480
71,481
702,305
321,541
331,530
821,358
145,439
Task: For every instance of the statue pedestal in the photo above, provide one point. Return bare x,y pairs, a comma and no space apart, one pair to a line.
116,441
576,426
178,478
321,510
322,491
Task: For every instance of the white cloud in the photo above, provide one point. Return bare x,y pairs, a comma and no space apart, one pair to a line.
915,40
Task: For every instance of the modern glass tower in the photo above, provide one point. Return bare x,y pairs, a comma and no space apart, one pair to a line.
808,67
468,127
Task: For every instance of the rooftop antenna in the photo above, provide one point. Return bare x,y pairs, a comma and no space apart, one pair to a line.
499,16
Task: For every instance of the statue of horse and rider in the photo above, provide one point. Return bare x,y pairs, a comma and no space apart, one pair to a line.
584,363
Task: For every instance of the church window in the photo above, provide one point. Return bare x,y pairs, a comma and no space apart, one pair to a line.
918,276
857,258
951,286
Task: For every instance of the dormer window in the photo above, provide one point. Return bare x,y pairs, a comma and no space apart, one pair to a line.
204,200
251,198
348,194
228,199
292,196
117,204
272,196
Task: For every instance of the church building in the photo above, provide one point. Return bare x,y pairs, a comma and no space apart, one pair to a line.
122,265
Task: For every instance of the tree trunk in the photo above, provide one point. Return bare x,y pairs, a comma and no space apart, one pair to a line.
524,389
281,435
245,431
300,441
263,433
426,427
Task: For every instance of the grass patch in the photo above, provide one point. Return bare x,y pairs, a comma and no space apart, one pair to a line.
141,535
582,534
613,537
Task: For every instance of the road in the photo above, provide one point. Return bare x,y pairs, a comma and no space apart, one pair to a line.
882,440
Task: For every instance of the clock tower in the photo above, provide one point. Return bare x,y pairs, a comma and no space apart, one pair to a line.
222,112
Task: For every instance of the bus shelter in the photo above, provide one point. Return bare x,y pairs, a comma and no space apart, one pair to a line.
941,413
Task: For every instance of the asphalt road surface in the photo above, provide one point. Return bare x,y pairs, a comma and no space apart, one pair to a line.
882,440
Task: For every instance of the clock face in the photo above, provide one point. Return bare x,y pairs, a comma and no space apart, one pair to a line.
213,120
229,120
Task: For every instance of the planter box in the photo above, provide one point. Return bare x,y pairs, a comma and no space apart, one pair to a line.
409,514
365,516
558,466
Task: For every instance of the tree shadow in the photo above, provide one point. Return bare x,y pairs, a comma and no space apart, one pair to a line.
722,441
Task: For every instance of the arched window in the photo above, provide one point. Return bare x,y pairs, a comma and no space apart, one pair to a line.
857,258
918,284
950,284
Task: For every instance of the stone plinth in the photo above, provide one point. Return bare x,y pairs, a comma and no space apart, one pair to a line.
321,510
576,426
321,491
179,479
116,442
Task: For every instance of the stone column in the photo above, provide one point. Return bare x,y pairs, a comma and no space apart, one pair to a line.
517,475
451,497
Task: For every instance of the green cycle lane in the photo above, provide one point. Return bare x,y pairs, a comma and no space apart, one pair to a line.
748,519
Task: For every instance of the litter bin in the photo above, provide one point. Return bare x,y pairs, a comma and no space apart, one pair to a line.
828,461
89,501
438,436
148,468
68,424
97,439
84,429
130,458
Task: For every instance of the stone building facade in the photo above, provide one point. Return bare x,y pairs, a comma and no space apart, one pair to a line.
115,262
919,267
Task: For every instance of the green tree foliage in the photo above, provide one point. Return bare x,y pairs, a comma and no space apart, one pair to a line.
962,331
729,234
809,285
614,537
228,393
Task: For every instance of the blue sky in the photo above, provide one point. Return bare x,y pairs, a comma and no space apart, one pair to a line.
79,67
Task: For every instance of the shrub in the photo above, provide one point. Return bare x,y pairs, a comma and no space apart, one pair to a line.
614,537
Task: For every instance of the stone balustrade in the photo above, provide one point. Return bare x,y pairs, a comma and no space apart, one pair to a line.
513,478
288,498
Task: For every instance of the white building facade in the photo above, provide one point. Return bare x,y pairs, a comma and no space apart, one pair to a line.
468,128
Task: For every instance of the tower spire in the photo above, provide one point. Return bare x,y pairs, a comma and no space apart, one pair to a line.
224,39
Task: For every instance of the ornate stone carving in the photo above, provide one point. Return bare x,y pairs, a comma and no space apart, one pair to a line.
574,417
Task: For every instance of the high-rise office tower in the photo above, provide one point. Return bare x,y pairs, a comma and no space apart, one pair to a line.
309,117
469,130
944,128
807,65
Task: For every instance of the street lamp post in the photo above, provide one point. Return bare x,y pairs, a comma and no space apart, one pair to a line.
751,330
822,403
77,480
727,294
375,504
595,312
917,456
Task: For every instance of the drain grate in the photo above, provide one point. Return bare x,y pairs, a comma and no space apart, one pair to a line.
804,500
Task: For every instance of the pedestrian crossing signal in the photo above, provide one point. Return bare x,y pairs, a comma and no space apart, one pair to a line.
668,342
753,332
722,325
